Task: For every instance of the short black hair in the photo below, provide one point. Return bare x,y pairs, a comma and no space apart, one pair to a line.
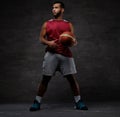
61,3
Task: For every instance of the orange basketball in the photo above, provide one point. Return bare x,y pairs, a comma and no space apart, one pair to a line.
67,39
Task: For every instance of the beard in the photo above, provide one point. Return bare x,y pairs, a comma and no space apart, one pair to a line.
57,14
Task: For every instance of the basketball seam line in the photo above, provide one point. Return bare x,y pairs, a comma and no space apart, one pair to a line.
67,36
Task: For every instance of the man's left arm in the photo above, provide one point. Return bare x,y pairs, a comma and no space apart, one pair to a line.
72,30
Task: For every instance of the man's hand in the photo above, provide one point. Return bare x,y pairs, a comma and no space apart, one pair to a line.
52,44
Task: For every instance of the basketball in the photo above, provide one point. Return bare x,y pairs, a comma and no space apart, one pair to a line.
67,39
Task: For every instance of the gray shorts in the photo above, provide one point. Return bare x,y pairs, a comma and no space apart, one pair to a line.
57,62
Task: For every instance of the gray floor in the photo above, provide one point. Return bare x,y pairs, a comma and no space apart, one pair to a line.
96,109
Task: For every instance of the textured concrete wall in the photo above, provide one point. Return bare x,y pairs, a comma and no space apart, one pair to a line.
97,28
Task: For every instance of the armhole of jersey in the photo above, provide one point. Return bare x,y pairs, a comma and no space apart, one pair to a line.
71,27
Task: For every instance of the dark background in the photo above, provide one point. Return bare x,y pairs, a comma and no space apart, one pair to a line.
97,28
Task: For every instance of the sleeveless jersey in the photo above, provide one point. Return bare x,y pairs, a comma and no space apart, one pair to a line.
53,30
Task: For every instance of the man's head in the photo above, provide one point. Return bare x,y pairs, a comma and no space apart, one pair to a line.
59,2
58,9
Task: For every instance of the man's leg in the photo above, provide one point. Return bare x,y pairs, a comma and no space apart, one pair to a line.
76,91
74,84
41,91
43,85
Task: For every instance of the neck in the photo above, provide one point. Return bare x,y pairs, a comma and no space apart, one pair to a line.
59,18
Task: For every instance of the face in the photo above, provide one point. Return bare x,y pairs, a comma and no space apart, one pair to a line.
57,10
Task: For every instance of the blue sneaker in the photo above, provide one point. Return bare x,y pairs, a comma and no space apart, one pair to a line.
35,106
80,105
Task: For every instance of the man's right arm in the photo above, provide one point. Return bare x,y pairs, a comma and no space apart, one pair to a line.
43,38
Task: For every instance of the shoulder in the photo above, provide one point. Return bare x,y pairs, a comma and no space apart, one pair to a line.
50,20
66,21
44,24
69,22
47,21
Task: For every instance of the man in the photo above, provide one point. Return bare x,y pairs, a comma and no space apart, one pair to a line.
57,57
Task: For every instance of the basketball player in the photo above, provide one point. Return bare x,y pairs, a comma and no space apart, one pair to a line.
57,57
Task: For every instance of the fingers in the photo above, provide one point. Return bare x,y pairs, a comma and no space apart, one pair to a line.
52,44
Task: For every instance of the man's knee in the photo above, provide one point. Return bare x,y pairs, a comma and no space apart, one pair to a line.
70,78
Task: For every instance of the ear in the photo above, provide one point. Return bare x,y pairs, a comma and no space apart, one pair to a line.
62,10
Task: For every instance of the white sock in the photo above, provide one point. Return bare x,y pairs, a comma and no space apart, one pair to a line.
38,98
77,98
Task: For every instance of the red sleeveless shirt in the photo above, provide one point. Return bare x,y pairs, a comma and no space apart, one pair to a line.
53,30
